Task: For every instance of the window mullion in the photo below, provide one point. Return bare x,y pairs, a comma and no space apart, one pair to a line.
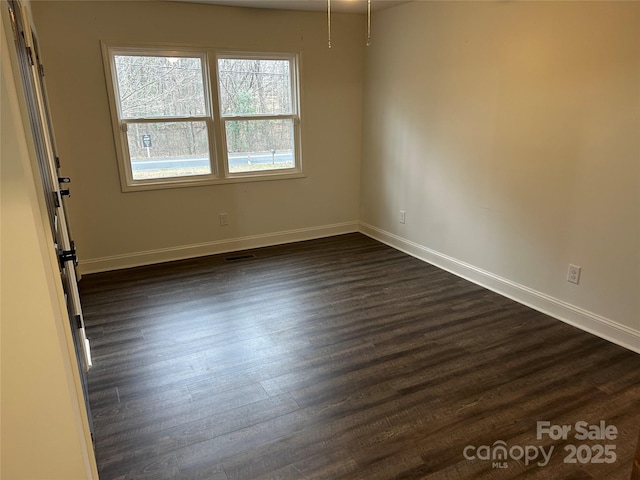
218,126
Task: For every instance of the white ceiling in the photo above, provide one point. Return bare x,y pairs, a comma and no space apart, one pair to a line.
337,6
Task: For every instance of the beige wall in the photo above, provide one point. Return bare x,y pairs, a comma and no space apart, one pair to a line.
510,134
42,435
107,222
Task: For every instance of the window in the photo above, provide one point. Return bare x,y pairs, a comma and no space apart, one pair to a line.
167,119
257,107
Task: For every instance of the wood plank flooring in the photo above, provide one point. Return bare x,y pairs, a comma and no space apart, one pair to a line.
339,358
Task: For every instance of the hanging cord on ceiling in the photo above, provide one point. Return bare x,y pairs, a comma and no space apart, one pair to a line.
329,21
368,22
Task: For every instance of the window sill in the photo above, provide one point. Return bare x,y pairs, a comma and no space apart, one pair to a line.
164,183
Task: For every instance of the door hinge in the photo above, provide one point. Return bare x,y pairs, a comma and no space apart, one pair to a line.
65,192
69,255
64,180
14,26
56,199
30,55
78,321
124,127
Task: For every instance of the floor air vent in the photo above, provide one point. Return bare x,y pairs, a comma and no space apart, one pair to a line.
238,258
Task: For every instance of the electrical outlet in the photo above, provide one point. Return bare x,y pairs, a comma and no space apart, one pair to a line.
224,219
573,275
403,215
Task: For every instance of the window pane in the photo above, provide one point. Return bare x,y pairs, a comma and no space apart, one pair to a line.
152,87
255,145
249,86
168,149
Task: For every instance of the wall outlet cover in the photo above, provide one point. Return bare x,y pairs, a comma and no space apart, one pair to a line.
573,275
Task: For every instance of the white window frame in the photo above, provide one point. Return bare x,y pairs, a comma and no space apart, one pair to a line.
215,122
294,116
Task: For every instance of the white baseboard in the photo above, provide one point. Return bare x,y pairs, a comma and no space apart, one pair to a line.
575,316
117,262
588,321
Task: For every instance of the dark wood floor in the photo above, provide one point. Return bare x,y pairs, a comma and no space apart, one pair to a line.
338,358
